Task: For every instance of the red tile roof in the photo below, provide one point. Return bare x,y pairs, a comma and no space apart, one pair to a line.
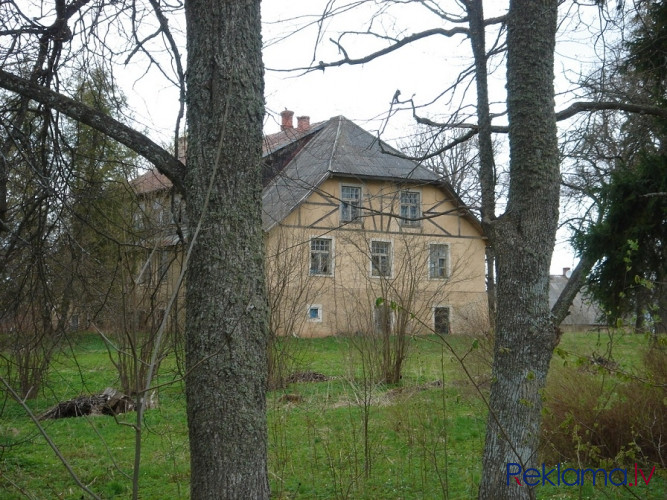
150,181
154,181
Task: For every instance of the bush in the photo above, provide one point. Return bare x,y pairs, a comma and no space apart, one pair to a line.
594,415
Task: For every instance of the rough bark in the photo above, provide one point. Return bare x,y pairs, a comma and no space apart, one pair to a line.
523,239
227,314
487,166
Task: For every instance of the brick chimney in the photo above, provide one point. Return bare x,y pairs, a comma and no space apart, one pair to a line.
287,120
303,123
566,271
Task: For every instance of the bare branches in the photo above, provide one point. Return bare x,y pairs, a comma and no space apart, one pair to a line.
50,442
580,107
346,60
163,160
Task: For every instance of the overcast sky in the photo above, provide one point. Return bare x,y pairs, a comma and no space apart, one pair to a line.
364,93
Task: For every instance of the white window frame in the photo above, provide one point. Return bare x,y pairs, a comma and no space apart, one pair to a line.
390,257
403,218
347,207
318,319
451,315
431,267
331,257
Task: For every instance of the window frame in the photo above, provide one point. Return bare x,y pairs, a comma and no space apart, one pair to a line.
448,260
406,220
389,255
330,252
449,319
383,312
347,205
320,313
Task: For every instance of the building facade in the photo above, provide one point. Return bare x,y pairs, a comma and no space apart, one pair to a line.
357,237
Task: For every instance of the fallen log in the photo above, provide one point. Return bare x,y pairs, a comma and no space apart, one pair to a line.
110,402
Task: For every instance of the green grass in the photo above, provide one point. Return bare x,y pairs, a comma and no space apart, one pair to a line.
423,441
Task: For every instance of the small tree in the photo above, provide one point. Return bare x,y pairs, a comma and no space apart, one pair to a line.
401,299
289,290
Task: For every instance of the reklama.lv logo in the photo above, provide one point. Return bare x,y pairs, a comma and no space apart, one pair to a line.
556,476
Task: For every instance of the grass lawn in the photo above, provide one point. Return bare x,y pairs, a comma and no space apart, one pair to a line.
341,438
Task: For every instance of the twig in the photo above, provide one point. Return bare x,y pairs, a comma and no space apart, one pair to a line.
48,439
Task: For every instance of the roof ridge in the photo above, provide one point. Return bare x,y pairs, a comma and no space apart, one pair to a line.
335,142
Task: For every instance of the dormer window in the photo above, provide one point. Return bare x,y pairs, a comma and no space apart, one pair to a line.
350,203
410,208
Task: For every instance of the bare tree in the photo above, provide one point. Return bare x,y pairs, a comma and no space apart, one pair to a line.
290,291
458,166
400,301
524,39
227,312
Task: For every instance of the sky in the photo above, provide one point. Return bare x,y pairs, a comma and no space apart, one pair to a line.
363,93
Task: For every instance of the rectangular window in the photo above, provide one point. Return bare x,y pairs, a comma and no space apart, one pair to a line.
438,261
441,320
163,264
315,313
382,319
158,213
410,209
320,256
139,216
146,272
350,203
381,258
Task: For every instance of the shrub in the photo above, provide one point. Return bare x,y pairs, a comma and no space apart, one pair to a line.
598,416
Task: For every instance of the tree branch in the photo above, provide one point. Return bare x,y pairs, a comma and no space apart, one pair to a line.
165,162
569,112
561,308
580,107
362,60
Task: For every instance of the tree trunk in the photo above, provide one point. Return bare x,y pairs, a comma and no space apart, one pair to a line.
523,239
487,165
227,313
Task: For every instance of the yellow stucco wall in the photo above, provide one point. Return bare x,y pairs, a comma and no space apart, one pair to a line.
347,296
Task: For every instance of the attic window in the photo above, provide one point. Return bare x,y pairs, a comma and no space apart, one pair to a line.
410,208
350,203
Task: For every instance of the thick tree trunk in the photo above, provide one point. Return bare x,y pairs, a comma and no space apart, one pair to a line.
523,239
227,314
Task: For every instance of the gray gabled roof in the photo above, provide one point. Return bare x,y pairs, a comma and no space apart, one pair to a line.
338,148
306,158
